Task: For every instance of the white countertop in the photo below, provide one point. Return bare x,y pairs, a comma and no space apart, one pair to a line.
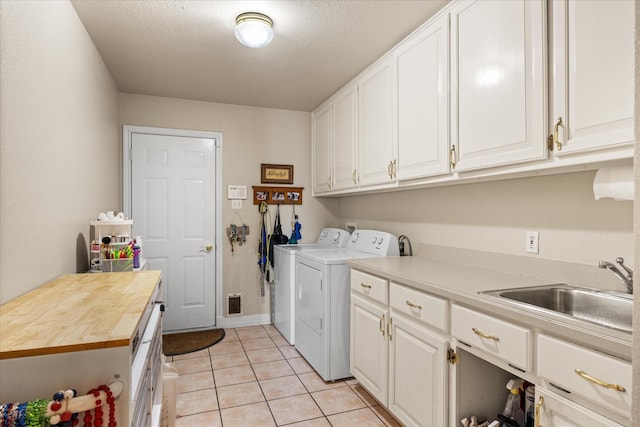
461,284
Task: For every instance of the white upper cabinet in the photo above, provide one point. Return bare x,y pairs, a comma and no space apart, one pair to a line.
592,54
322,140
345,141
498,82
422,77
375,106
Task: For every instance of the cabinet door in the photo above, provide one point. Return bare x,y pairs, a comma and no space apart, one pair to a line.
322,139
592,73
375,109
422,70
498,83
369,356
345,139
417,372
556,411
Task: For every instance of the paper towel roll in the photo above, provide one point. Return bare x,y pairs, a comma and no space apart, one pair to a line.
615,182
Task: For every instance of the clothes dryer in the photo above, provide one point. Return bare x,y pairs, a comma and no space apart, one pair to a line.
284,259
323,298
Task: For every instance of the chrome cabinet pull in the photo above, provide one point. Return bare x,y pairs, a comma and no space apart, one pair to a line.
393,169
412,305
389,171
601,383
452,157
484,335
553,138
538,408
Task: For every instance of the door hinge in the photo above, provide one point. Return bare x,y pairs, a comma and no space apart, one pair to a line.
452,357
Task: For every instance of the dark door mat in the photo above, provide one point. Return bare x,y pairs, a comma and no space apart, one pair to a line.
188,342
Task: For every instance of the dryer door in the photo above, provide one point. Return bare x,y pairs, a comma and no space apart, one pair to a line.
310,304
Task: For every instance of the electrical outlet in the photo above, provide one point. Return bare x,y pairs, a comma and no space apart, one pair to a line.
532,242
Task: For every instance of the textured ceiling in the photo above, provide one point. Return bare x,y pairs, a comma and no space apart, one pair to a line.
187,49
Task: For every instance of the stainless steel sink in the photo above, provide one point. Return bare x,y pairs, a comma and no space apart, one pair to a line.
610,309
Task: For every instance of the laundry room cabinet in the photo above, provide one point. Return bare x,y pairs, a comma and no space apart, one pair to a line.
396,356
345,138
322,140
422,79
498,83
592,77
378,145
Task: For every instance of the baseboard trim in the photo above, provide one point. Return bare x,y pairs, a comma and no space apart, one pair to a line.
241,321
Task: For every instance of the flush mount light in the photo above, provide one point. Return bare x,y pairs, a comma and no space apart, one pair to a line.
254,29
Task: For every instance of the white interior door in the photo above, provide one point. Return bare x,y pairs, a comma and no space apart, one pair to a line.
173,206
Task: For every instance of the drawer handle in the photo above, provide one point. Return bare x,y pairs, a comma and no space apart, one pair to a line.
412,305
538,408
601,383
483,335
365,286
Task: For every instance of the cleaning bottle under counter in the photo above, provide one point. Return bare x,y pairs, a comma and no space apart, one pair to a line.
512,409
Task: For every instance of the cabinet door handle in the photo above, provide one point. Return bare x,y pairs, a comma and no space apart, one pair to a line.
601,383
484,335
381,324
389,328
553,138
412,305
389,171
393,169
354,177
452,157
538,408
329,182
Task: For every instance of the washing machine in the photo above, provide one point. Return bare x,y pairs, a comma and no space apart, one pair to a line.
323,297
284,260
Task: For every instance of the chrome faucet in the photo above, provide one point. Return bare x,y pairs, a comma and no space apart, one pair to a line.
626,277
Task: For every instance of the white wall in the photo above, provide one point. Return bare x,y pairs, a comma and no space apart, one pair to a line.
494,217
59,143
251,136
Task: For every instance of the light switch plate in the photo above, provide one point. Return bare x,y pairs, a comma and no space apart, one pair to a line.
236,204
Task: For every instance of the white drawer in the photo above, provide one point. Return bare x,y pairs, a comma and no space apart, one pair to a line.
558,361
419,305
500,338
371,286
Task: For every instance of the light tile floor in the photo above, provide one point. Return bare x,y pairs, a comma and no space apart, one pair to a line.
253,377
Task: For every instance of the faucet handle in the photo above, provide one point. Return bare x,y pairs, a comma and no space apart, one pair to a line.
620,261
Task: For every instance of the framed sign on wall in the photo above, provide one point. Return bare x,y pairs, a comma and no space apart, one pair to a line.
276,174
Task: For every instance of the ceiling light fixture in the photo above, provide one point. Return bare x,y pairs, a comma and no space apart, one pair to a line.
254,29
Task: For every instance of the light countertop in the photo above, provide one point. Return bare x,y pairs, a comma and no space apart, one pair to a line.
76,312
461,284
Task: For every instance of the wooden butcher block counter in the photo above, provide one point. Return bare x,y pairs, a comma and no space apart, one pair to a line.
76,312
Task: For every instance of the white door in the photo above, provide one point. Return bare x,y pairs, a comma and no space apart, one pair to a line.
417,374
375,112
173,209
592,74
498,84
369,356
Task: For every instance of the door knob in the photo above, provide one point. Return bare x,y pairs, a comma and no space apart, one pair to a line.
208,247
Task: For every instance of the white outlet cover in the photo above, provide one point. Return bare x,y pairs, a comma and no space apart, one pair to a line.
532,242
236,204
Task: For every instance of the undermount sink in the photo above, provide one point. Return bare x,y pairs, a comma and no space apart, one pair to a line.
610,309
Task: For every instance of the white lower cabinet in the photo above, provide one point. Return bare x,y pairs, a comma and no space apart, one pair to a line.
369,357
405,356
399,361
555,411
417,372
